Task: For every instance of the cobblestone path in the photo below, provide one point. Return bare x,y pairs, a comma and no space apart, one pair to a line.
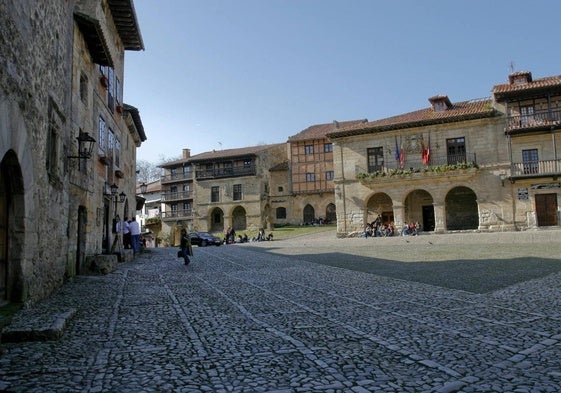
239,320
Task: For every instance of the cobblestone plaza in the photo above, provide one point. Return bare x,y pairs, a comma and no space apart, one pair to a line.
268,317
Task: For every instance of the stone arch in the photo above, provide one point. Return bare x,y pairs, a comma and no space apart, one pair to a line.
216,220
308,214
379,204
419,208
12,213
239,219
461,209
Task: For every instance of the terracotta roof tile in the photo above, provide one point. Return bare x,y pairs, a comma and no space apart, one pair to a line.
230,153
473,109
319,131
502,90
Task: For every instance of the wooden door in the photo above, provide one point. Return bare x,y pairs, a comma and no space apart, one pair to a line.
546,209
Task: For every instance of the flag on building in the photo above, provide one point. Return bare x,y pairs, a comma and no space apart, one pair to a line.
424,151
396,153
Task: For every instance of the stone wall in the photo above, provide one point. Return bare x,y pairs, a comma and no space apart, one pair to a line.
36,44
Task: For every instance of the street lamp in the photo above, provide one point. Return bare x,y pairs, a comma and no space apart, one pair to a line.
143,188
85,145
117,198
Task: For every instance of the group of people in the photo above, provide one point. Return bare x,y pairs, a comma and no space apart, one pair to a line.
230,236
379,229
131,233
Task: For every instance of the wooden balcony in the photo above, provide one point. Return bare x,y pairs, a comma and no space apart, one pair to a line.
535,169
177,177
176,196
217,173
538,121
177,214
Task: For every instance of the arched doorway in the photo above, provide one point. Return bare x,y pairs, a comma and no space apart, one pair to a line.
461,209
331,213
239,222
81,239
216,220
309,215
11,216
379,204
419,208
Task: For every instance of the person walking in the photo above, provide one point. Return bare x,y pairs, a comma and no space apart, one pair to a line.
186,249
135,235
127,243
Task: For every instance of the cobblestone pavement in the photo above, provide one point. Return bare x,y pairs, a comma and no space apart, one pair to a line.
249,318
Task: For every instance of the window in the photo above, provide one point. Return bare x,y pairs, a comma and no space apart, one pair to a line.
456,150
309,149
281,213
173,189
53,140
526,115
247,162
329,175
187,187
84,88
310,177
530,161
117,152
327,147
101,134
237,192
280,189
110,143
111,89
118,95
375,159
187,206
215,194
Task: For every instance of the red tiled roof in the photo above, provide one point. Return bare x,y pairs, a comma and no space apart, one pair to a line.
507,89
319,131
459,111
216,154
231,153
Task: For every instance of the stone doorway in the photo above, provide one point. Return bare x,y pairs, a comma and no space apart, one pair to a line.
11,240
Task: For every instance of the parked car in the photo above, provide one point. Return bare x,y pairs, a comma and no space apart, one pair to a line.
203,239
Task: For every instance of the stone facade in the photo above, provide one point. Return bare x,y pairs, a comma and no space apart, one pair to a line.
52,202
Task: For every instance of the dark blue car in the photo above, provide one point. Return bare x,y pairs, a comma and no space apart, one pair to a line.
203,239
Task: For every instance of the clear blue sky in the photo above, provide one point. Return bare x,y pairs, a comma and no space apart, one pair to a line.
221,74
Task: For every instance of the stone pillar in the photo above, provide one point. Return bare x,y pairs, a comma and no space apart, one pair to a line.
398,215
439,218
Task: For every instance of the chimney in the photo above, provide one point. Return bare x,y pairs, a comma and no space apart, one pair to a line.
520,78
440,103
186,153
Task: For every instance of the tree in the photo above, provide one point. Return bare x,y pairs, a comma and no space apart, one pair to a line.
147,172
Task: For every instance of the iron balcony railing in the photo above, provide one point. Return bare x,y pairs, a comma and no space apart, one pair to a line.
415,162
214,173
175,196
175,214
538,168
535,120
175,177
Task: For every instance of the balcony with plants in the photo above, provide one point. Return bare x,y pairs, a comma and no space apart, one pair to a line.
413,169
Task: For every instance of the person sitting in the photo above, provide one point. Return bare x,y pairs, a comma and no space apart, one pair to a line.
270,236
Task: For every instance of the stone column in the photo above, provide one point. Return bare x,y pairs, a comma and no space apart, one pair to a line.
439,217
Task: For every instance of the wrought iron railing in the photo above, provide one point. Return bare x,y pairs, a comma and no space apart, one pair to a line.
174,196
175,214
235,171
177,177
414,162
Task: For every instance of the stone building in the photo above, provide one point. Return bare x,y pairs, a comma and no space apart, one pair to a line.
533,130
309,197
217,189
447,166
52,98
